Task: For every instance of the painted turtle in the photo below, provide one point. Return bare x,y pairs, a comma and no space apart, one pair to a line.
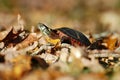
66,35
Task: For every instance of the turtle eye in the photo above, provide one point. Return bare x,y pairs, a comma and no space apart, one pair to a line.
49,29
43,28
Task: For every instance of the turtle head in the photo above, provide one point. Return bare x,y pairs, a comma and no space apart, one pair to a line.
44,29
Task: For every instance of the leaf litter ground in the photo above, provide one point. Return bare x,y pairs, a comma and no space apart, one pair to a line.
26,55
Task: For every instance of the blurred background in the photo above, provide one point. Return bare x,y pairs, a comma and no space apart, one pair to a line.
94,16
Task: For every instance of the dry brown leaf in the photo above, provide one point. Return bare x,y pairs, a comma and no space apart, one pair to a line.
111,43
12,38
93,76
21,64
30,39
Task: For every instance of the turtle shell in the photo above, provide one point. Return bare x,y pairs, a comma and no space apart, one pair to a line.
76,35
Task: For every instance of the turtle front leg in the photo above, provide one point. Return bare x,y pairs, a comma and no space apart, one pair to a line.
65,39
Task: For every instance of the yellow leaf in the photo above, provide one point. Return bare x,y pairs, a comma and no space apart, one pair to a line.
111,43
